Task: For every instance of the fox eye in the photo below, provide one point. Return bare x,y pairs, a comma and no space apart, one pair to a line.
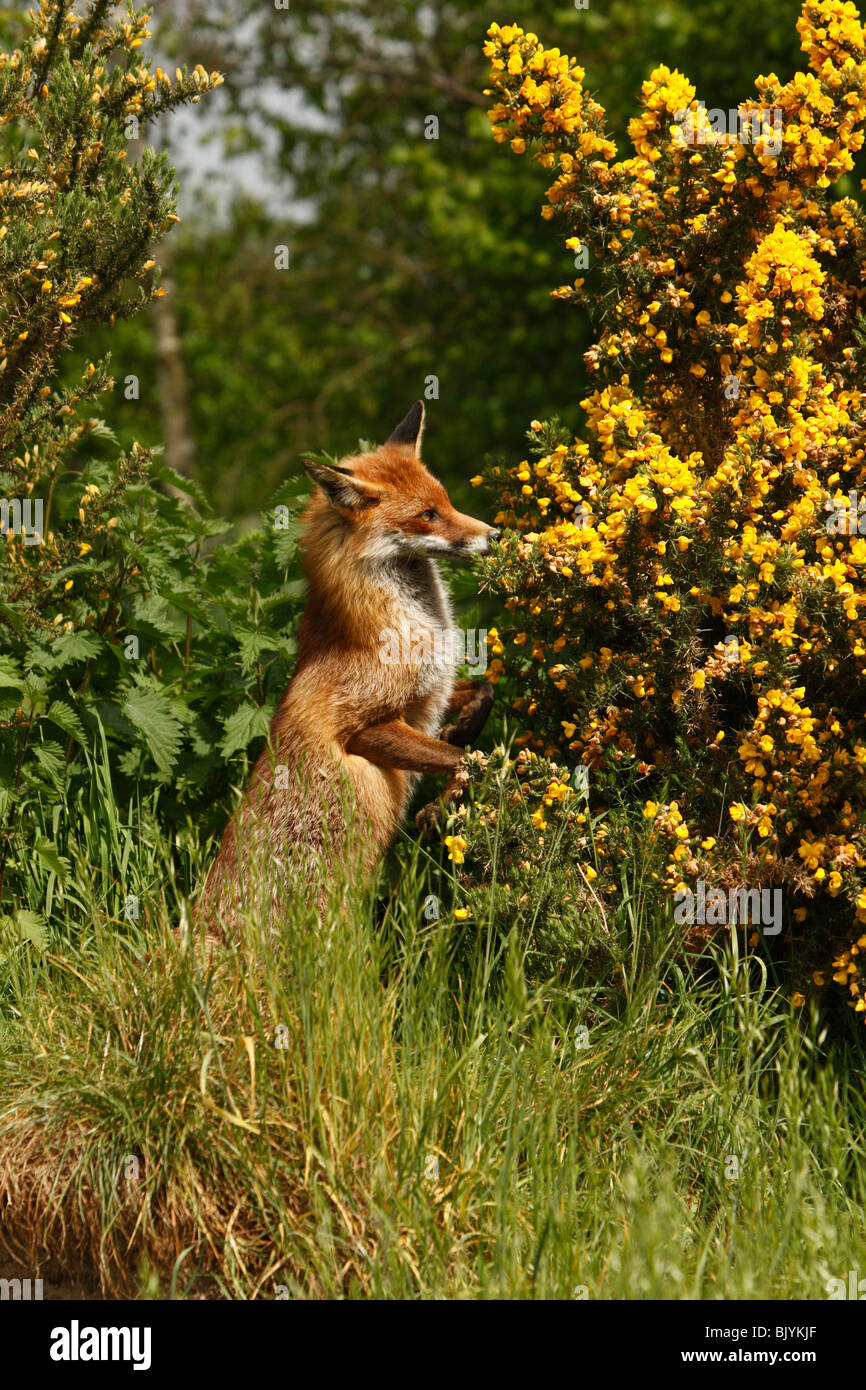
429,515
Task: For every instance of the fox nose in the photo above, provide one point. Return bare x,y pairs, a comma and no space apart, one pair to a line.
494,533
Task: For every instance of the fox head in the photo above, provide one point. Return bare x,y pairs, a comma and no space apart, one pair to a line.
390,506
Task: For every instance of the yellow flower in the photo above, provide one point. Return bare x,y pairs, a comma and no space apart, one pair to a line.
455,845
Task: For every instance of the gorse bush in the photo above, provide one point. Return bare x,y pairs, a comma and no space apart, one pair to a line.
117,620
686,578
522,851
525,854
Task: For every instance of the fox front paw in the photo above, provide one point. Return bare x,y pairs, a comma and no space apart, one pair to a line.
472,719
431,819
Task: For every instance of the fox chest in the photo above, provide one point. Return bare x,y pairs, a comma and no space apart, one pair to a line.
421,655
423,644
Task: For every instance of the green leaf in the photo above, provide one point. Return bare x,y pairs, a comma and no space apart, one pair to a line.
49,855
252,642
248,722
153,610
33,697
67,720
285,546
50,758
153,716
188,604
31,927
10,674
98,429
72,646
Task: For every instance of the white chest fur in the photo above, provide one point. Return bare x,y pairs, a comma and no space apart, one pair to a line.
423,638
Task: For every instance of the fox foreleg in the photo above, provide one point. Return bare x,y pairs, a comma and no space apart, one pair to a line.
397,744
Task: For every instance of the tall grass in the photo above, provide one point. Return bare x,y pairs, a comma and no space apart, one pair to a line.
378,1105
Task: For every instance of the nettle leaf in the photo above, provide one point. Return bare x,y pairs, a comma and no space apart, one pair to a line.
48,854
166,474
51,759
72,646
189,604
252,642
202,737
10,674
220,618
153,715
98,429
286,542
66,719
32,927
33,697
247,723
197,773
26,926
130,762
294,589
155,612
7,709
108,713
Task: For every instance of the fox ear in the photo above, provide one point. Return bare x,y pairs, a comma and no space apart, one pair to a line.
339,486
410,428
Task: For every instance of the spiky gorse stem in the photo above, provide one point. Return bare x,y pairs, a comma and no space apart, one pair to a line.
78,218
690,616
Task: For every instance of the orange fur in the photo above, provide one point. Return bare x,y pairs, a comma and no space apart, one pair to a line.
353,732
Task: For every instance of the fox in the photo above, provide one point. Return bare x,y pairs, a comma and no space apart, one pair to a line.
354,731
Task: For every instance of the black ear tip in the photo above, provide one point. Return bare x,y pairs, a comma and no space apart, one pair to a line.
409,429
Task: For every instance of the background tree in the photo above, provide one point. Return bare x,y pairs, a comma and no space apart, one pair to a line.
411,257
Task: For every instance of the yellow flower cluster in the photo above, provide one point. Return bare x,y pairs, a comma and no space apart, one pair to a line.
546,103
682,608
77,158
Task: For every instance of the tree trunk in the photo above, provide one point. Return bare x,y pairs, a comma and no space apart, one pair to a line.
172,381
